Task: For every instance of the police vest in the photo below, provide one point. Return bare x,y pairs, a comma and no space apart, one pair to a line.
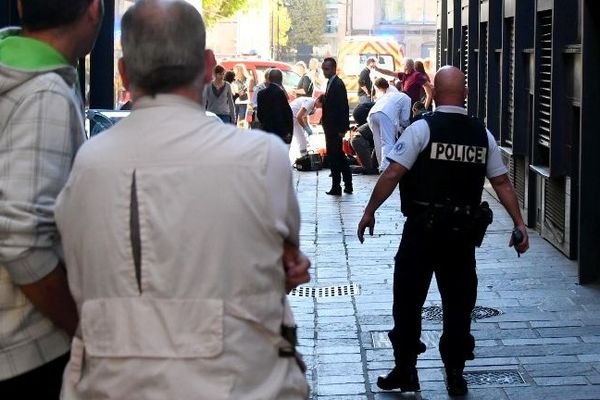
451,170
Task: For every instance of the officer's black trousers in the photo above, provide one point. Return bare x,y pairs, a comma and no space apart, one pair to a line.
451,257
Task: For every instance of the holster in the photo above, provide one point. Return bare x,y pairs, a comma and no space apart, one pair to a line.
482,218
471,221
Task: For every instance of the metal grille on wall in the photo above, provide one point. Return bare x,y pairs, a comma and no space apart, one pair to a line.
544,20
464,55
554,207
510,115
450,47
438,46
519,179
516,173
483,53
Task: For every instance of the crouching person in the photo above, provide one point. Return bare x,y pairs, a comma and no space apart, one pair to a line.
174,239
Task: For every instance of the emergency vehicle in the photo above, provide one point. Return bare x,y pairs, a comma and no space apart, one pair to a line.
354,52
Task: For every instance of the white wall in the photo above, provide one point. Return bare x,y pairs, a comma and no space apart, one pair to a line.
363,14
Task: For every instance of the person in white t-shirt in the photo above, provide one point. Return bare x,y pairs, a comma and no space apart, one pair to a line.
389,116
302,107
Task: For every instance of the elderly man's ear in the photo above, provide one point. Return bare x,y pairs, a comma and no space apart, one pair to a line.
210,62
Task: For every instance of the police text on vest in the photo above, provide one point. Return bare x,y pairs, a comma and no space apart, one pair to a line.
458,152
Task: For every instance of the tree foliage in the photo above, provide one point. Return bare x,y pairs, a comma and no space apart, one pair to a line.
215,10
308,19
283,22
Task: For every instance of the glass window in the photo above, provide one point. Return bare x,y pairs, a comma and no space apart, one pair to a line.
393,11
354,63
407,12
290,79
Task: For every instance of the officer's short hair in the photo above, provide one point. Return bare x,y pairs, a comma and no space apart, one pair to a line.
37,15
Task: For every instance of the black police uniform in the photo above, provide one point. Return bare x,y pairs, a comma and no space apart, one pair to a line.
438,197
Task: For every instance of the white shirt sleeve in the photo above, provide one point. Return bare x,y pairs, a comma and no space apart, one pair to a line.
308,104
495,166
281,195
405,110
412,142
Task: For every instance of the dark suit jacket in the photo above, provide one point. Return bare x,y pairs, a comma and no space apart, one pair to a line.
336,112
274,112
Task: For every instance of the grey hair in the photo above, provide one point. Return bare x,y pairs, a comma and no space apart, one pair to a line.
163,45
410,63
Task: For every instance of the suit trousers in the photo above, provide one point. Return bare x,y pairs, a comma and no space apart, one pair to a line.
452,258
43,382
337,160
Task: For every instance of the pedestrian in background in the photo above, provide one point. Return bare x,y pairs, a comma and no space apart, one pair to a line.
240,88
412,81
305,85
335,121
429,69
387,119
229,77
218,97
273,109
41,120
302,108
365,85
175,227
316,75
441,163
255,123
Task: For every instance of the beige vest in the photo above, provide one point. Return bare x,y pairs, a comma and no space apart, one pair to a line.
203,320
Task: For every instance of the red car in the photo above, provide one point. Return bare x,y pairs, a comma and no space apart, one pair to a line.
256,68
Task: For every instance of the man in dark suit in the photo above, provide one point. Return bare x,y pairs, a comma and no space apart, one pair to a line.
335,123
274,112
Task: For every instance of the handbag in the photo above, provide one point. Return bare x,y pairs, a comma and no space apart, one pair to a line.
309,162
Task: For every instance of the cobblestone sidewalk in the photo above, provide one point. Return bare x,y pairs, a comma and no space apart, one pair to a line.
545,343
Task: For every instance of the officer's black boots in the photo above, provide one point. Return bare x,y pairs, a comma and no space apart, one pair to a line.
348,189
455,382
403,378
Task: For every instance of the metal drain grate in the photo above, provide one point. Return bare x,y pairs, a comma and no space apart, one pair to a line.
494,378
435,313
484,312
328,291
432,313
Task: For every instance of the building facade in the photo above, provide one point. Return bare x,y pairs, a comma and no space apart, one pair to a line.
412,23
532,71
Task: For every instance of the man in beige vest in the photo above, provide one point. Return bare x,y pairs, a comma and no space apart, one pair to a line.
173,226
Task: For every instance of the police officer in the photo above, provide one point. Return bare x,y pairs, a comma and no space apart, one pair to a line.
442,160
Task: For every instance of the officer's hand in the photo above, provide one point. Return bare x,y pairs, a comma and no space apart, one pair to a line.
296,266
523,246
367,220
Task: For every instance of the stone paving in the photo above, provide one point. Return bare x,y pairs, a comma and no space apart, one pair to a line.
544,345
